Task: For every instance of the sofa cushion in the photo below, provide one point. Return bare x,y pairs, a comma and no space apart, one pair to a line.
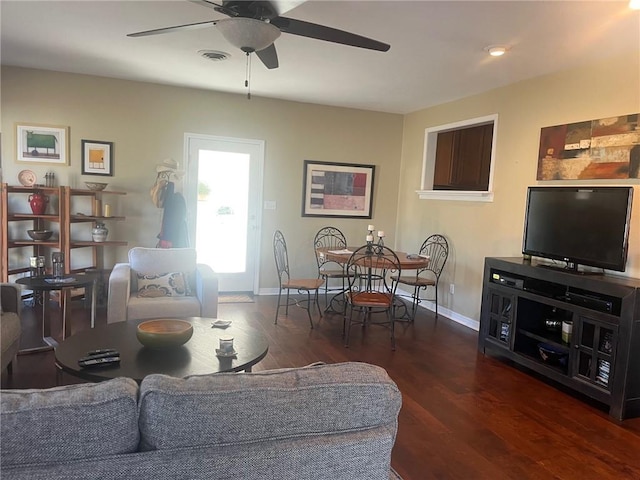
69,422
225,409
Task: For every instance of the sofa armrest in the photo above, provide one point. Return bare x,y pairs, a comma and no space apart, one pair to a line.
10,298
119,291
207,290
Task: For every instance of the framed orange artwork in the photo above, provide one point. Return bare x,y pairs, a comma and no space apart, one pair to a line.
97,158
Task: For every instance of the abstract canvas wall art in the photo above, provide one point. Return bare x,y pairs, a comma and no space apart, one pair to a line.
607,148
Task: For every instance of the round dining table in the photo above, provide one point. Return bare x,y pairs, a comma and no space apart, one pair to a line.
408,261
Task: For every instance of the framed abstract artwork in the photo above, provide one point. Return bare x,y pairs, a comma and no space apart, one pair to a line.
97,158
337,190
45,144
607,148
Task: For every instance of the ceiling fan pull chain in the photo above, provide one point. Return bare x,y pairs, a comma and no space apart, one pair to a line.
247,78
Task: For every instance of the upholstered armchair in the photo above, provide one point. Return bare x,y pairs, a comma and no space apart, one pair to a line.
161,283
10,327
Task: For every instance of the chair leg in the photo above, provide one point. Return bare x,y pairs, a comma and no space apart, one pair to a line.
393,331
286,308
436,287
309,307
416,300
317,300
326,288
348,327
278,307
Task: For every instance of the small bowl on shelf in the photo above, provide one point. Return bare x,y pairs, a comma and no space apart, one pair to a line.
40,235
552,355
96,186
164,333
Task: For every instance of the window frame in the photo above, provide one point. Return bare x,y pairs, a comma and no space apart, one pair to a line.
426,191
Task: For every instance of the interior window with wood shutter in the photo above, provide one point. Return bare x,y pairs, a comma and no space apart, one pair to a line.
463,158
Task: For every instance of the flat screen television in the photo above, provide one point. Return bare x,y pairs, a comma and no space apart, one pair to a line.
579,225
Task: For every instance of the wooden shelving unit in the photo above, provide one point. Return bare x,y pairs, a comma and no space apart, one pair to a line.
90,218
14,210
60,221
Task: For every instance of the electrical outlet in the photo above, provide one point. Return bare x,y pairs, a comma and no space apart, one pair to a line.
452,288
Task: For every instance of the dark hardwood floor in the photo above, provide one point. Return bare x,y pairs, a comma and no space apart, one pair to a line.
464,415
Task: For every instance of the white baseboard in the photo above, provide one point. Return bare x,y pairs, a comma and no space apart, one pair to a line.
456,317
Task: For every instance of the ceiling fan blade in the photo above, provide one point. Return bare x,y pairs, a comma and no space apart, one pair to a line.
218,7
207,3
269,57
188,26
259,9
320,32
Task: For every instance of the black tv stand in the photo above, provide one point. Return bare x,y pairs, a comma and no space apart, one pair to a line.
523,306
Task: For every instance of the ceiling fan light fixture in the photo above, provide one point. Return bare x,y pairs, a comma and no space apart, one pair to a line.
248,34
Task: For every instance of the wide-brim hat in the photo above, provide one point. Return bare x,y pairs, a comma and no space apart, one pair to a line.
168,165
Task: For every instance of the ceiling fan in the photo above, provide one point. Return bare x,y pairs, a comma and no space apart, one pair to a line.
253,26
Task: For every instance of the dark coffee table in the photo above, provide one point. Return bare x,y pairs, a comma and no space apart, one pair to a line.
196,357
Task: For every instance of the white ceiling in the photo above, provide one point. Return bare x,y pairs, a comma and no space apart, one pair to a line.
437,48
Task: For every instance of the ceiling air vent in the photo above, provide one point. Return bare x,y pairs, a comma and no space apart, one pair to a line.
214,55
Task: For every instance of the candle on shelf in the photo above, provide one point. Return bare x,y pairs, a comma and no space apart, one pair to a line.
369,238
381,233
371,228
97,207
107,210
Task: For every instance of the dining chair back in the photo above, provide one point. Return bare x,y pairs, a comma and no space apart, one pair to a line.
308,286
436,248
371,290
329,238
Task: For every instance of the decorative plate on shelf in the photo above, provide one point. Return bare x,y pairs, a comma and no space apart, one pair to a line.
27,178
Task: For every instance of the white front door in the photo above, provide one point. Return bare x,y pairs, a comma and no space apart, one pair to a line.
224,178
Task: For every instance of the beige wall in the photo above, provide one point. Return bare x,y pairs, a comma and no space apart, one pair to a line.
477,230
147,123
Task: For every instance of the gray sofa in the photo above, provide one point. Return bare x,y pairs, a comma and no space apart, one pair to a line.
334,421
10,327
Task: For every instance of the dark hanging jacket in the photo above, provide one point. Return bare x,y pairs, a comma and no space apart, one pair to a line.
174,220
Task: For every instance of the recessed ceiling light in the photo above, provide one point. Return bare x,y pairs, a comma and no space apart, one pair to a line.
497,50
634,4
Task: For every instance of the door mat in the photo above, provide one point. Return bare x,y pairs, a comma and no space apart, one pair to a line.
234,298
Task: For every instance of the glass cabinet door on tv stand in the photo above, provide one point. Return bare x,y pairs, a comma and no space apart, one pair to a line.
595,346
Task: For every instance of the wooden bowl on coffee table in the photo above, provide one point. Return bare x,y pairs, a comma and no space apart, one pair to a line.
164,333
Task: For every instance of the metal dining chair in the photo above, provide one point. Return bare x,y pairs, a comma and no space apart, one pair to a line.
306,286
436,248
329,238
371,292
